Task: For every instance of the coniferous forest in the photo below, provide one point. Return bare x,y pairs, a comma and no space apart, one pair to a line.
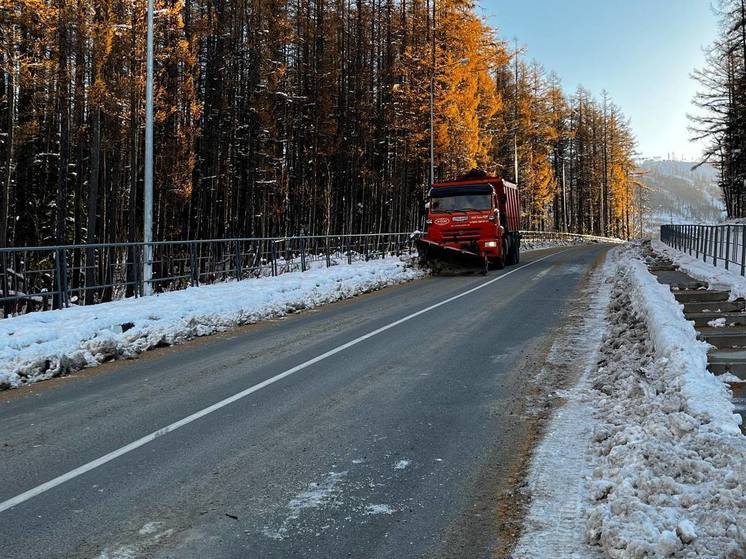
277,117
721,103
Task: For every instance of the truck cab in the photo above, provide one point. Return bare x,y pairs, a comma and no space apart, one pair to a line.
476,215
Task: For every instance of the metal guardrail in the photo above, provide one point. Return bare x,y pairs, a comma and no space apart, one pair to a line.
53,277
723,245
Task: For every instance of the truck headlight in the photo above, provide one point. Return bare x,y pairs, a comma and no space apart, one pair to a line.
490,244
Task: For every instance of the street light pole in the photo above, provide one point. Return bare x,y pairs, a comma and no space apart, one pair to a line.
148,186
432,103
515,118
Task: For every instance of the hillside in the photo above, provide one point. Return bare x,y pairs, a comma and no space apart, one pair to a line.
676,194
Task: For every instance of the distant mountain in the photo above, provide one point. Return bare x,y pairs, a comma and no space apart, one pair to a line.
676,194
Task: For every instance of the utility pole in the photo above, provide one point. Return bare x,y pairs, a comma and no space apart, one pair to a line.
148,186
515,118
432,101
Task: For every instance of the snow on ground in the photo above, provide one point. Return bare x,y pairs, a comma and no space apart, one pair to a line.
42,345
659,458
528,245
554,524
531,242
717,277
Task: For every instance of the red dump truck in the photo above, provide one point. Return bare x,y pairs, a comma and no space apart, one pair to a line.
472,223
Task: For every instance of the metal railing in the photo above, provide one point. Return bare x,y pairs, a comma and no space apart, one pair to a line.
721,245
53,277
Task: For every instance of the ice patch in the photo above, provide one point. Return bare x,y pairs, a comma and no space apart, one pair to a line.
316,495
379,509
149,528
151,533
402,464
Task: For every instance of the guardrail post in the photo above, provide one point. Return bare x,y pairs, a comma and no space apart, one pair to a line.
717,246
193,263
136,270
690,239
6,284
743,252
239,264
696,240
273,257
349,250
60,268
303,254
365,247
727,246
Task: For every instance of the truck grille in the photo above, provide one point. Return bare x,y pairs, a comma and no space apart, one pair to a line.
461,235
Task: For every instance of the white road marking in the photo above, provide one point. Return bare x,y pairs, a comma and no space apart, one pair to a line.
79,471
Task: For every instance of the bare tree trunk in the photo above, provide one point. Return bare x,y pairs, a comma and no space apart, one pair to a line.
8,181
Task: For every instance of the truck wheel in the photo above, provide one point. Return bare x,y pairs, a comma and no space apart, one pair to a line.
513,253
507,252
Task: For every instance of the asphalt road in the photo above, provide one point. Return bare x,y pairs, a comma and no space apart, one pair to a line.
393,447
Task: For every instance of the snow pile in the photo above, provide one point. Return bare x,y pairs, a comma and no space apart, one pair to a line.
539,244
670,463
716,277
42,345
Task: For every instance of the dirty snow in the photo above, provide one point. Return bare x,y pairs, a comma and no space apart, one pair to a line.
314,496
150,534
42,345
527,246
402,464
659,459
561,463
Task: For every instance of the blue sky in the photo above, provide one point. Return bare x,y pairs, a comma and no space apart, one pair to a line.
640,51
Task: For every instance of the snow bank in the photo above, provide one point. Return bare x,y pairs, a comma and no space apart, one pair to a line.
528,245
42,345
670,466
717,277
645,459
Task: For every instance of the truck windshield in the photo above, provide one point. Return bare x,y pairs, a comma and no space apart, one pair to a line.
462,203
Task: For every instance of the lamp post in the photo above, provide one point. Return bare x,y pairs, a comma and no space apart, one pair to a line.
515,118
432,102
148,184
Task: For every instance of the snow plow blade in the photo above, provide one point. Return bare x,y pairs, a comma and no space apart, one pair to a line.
440,258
